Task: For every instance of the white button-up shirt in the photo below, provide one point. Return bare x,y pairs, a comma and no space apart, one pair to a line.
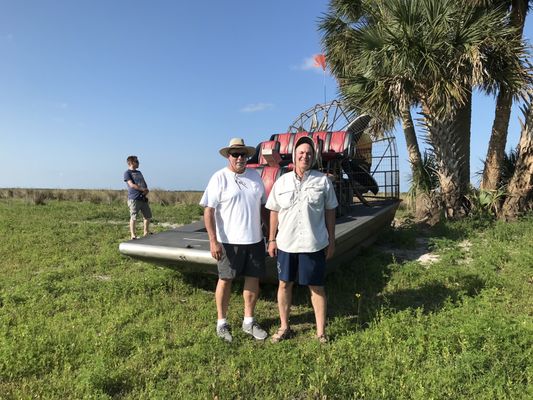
301,209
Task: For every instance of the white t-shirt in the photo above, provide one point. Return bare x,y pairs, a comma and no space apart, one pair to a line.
301,209
237,200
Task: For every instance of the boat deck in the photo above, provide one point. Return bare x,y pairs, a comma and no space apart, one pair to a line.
187,247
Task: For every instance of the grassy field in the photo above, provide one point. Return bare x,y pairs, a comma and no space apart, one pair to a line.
78,320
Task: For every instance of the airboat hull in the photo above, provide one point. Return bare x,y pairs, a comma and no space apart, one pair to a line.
187,248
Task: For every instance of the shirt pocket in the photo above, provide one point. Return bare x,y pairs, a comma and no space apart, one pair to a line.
285,198
315,196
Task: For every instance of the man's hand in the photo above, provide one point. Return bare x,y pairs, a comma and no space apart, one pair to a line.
272,249
216,250
330,250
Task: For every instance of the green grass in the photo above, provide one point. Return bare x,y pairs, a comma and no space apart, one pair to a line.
78,320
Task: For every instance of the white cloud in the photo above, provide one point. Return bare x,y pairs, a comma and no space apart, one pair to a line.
257,107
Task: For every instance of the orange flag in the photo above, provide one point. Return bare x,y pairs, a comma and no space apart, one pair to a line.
320,61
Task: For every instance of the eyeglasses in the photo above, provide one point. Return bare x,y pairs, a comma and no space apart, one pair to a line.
237,155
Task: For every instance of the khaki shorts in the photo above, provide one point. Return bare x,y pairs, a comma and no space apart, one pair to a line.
139,205
242,259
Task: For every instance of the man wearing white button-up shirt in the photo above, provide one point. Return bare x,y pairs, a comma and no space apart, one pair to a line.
302,234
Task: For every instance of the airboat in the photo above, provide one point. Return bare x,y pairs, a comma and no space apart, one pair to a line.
359,157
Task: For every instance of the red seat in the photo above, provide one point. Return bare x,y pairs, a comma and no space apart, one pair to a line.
335,144
268,175
287,142
269,153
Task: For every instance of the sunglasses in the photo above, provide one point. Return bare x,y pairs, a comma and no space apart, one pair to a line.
237,155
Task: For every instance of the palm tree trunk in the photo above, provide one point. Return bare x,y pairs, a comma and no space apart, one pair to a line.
446,141
498,140
518,15
520,190
422,204
462,119
413,150
500,126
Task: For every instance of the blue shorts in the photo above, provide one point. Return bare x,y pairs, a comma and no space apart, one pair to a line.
309,268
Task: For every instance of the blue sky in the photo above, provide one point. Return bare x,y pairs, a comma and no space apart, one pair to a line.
84,84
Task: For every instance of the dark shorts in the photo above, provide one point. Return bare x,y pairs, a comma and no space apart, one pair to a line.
304,268
139,205
242,259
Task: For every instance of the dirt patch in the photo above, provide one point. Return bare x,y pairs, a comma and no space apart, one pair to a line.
420,253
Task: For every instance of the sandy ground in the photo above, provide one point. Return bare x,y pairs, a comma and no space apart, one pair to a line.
420,252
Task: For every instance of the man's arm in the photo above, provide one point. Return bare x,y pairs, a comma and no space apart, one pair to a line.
272,245
133,185
330,226
265,219
214,245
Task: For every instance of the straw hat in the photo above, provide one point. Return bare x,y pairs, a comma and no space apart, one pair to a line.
238,145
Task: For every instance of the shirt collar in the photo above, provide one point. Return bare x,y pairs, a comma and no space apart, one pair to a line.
304,177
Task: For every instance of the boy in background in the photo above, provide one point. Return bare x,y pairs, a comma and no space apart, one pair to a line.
137,196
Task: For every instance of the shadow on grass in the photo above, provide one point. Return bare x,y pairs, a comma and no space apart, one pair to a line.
301,297
408,234
208,282
357,292
431,297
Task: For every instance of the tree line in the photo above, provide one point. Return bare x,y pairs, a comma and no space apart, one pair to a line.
391,57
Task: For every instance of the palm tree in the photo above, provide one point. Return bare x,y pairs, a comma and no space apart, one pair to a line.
372,86
520,189
504,100
391,55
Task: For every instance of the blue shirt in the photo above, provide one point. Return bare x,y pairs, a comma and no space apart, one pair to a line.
137,178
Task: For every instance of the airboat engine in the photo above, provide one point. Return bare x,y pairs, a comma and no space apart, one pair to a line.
349,150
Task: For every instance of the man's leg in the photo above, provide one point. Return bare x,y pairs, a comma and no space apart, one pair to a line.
222,296
318,299
132,227
146,226
284,302
134,210
250,295
147,215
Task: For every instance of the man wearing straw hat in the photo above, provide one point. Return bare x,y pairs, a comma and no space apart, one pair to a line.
233,203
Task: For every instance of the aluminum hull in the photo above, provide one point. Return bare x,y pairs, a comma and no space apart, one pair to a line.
187,248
